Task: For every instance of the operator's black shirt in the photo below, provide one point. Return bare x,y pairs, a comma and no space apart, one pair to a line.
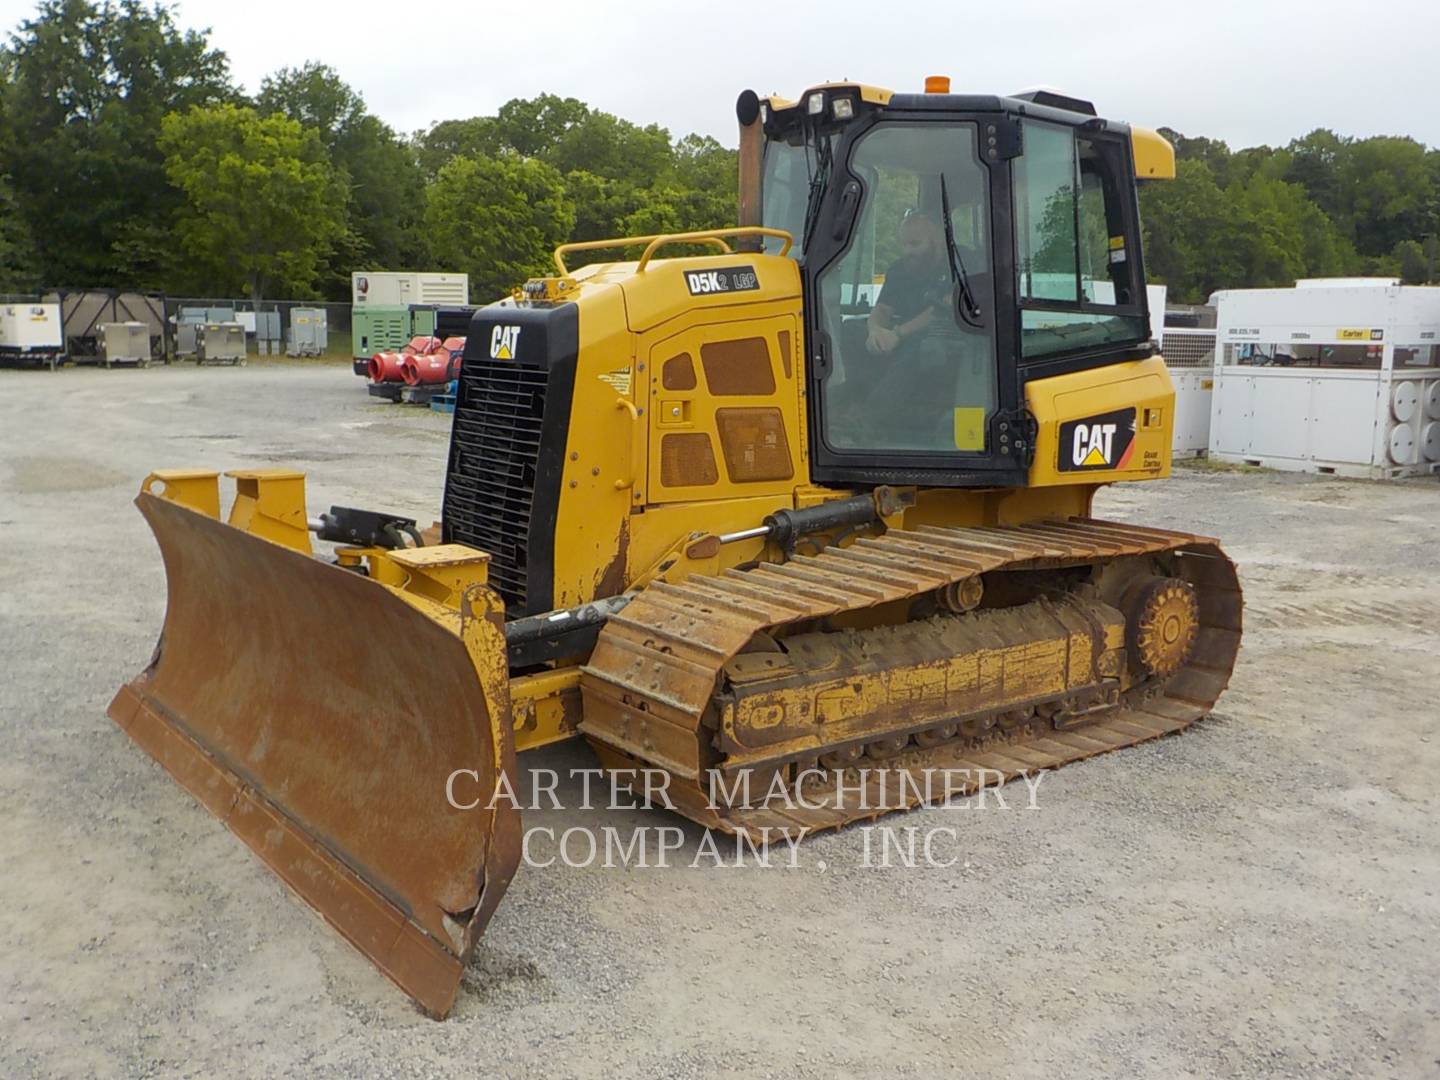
908,292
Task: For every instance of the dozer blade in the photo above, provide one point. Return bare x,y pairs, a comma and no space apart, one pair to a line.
319,715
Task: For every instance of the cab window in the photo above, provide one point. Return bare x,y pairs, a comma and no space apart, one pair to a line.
786,184
1075,252
907,308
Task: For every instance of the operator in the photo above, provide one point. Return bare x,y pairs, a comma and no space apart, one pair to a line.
912,331
917,290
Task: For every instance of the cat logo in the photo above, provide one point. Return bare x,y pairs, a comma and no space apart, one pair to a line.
504,341
1097,442
1093,444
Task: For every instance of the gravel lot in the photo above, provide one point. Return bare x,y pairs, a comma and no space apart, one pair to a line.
1258,897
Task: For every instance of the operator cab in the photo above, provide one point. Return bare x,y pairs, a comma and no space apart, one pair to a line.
952,247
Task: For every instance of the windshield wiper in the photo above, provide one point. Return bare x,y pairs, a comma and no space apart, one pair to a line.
968,309
818,181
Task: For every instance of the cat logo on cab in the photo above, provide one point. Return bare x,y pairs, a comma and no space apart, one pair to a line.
1097,442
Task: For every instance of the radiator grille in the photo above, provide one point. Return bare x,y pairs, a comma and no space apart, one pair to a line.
494,454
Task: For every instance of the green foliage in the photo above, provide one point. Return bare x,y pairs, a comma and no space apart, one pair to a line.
496,219
534,127
382,180
620,179
19,272
1418,263
1192,233
456,138
262,203
1387,194
1322,206
88,85
128,158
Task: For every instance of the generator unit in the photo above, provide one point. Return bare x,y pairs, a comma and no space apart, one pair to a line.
1341,379
124,343
388,308
379,288
377,329
309,332
220,343
388,329
32,333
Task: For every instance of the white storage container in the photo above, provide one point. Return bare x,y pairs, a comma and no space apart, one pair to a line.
1342,379
26,328
1190,356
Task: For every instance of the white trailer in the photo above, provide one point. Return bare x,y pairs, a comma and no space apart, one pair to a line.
380,288
32,333
1341,379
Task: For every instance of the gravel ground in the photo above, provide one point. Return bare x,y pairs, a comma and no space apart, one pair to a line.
1258,897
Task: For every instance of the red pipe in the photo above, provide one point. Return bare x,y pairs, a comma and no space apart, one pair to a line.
386,367
434,368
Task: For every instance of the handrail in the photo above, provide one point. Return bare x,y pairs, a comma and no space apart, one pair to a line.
619,242
654,243
697,237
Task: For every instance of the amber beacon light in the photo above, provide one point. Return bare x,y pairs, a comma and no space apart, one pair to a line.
937,84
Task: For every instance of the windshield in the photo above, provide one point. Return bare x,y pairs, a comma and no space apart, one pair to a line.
908,308
785,193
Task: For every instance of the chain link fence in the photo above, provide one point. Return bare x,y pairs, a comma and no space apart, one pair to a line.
271,334
268,322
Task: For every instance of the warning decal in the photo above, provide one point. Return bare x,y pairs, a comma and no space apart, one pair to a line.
619,380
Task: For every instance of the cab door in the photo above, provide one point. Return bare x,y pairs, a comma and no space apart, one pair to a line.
908,374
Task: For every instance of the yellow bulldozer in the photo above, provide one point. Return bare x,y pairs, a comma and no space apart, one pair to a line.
805,504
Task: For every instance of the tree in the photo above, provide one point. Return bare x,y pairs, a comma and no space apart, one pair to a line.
19,272
497,219
262,204
709,174
456,138
1418,262
383,182
603,207
1387,193
89,84
534,127
1190,232
1314,164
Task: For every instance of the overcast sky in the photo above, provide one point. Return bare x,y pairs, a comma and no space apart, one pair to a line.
1246,71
